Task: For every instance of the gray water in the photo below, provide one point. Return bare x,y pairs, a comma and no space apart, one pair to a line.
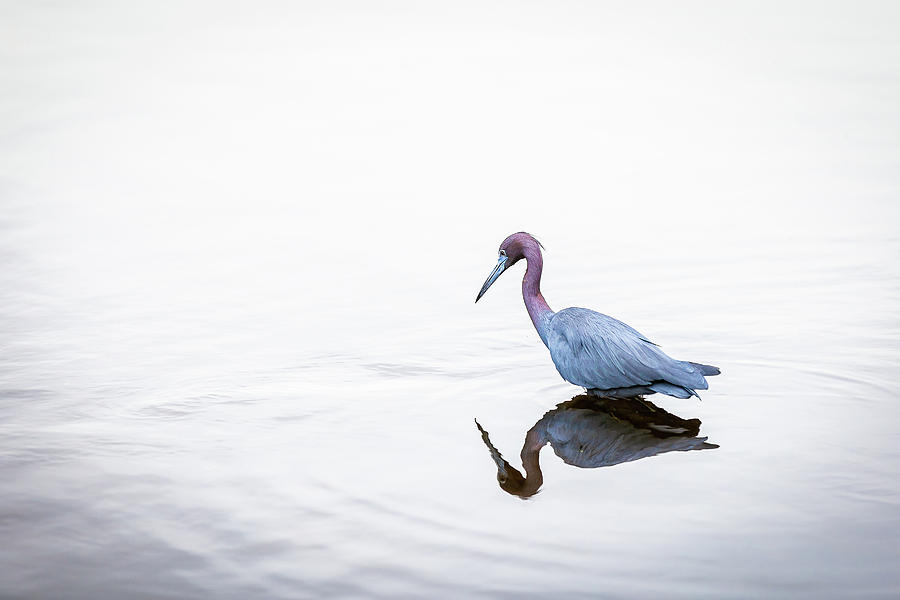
239,248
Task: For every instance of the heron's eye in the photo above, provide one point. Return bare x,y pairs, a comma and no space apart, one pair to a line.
503,253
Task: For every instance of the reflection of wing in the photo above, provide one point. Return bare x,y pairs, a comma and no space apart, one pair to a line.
598,352
586,435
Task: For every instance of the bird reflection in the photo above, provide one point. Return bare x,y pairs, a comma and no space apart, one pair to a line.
590,432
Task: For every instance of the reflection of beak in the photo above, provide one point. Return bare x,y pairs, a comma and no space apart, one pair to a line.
501,266
495,454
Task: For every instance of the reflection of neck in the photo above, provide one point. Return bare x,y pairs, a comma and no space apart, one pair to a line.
530,456
537,307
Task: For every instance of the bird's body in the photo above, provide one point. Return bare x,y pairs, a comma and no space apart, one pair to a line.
593,350
608,357
590,432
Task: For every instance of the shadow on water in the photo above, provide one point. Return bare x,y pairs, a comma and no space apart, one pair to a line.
590,432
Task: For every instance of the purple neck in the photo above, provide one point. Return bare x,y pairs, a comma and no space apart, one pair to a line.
537,307
530,455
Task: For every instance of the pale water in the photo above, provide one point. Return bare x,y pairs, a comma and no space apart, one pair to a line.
239,248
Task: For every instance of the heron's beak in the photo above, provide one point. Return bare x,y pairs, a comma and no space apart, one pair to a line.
495,454
498,270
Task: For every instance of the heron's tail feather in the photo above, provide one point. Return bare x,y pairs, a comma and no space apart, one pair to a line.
707,370
670,389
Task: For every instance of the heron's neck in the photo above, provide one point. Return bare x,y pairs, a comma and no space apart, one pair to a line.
530,456
537,307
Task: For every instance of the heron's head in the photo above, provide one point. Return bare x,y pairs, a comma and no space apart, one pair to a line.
512,482
510,479
512,250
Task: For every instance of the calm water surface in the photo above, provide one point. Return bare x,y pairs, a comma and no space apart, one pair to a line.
239,355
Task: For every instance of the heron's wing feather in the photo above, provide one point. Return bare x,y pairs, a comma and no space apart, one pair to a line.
594,350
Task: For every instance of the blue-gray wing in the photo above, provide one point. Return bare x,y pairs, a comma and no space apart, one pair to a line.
596,351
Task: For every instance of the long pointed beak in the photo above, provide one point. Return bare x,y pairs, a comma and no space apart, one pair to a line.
495,454
498,270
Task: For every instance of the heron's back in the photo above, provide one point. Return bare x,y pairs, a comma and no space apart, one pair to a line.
596,351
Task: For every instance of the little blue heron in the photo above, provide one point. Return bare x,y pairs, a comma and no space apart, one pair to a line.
601,354
590,432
